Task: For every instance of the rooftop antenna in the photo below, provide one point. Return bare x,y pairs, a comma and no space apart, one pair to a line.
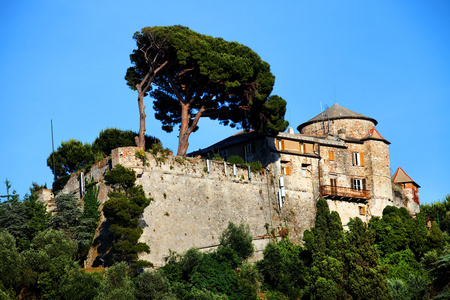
323,120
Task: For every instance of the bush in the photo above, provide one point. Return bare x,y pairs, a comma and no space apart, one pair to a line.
153,285
239,239
235,159
60,183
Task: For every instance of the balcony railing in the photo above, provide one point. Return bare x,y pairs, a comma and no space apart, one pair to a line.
329,191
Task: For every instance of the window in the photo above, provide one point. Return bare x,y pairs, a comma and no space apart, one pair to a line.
302,148
362,210
358,184
280,144
285,170
333,182
248,149
330,155
358,158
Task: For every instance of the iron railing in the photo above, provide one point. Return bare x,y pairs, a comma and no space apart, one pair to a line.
344,192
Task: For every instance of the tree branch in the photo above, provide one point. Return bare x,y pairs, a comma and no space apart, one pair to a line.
174,87
195,121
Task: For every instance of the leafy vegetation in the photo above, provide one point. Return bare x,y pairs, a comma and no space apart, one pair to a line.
393,257
72,156
123,209
191,75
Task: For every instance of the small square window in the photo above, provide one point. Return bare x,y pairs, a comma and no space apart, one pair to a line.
362,210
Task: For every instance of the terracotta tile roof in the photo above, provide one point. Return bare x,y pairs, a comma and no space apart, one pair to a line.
374,135
400,176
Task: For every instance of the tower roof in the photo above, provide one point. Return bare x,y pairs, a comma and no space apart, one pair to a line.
375,135
400,176
336,112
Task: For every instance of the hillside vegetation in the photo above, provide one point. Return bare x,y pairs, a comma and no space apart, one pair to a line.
392,257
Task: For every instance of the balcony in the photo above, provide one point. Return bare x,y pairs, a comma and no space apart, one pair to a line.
344,193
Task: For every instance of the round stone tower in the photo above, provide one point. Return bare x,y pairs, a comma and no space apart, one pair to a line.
338,120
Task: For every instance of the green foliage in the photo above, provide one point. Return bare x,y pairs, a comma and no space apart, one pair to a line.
283,269
10,261
117,284
226,81
343,266
219,274
412,288
123,210
88,220
60,183
397,231
153,285
70,157
13,216
80,285
255,166
440,273
46,264
112,138
217,157
435,239
239,239
438,210
364,276
140,154
120,177
235,159
402,264
66,214
23,219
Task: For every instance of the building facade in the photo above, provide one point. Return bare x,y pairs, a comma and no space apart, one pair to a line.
338,155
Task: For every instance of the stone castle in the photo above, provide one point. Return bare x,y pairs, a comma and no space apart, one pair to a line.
338,155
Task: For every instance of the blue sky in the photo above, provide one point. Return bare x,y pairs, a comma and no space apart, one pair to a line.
65,61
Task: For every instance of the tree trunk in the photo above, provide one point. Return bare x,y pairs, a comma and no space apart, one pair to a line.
140,139
183,137
185,130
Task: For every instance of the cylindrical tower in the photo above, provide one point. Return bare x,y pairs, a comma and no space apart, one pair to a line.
338,120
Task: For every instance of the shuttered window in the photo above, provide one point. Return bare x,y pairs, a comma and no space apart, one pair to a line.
330,155
358,158
280,145
286,170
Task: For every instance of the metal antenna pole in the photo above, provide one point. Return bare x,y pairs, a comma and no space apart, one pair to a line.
53,152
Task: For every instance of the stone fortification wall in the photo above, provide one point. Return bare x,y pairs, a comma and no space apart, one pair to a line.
96,173
191,207
355,128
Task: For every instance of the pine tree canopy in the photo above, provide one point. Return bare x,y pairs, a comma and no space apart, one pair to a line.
191,75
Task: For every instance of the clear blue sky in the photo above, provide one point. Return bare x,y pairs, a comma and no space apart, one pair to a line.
66,61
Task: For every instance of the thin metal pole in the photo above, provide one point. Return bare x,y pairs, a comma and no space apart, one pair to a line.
53,152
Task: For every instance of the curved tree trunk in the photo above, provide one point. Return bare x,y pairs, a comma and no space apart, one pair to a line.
140,139
185,130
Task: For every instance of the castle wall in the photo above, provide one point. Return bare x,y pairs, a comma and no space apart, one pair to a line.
192,207
379,175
